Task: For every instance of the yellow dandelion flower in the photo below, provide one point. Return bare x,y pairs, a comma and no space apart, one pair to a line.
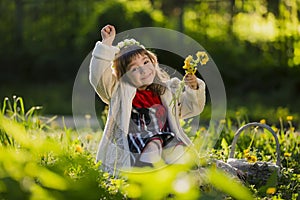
246,151
199,54
202,129
262,121
188,60
292,129
222,121
271,190
275,129
248,158
251,159
246,155
289,118
190,70
89,137
186,66
286,154
78,149
203,57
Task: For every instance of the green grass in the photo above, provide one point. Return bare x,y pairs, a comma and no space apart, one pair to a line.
38,161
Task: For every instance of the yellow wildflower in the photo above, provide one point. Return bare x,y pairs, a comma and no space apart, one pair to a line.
190,69
188,60
263,121
222,121
202,129
78,149
89,137
289,118
271,190
188,66
286,154
199,54
246,151
203,57
251,159
275,129
248,158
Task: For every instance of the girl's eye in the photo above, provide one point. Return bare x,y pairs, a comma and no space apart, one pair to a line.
146,62
134,69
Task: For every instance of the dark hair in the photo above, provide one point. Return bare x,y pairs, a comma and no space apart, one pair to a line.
127,54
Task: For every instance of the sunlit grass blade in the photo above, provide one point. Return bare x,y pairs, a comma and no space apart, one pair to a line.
19,134
6,103
19,104
228,185
168,180
46,177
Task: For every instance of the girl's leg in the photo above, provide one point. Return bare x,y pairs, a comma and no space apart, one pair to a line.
173,153
152,152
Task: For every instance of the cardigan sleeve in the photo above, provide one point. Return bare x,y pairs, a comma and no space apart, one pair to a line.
192,102
100,70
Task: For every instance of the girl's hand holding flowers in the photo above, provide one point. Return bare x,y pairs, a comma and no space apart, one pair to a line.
190,66
191,81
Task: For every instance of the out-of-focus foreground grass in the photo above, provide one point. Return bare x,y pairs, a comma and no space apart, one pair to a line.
40,161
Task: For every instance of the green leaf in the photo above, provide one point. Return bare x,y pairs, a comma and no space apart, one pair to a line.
228,185
224,145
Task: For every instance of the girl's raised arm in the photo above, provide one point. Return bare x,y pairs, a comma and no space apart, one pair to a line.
101,75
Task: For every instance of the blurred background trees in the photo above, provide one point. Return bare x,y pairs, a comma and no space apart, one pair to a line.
255,44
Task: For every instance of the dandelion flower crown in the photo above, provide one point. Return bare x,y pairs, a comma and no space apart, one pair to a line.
129,42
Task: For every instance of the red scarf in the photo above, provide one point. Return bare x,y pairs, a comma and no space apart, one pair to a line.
145,99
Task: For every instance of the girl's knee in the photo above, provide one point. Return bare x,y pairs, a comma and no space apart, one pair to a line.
174,154
152,152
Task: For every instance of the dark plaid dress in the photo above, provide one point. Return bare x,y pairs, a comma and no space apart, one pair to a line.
148,122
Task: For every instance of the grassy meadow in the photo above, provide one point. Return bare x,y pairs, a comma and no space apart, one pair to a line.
39,160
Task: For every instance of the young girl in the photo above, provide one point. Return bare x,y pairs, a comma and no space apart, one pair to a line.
142,128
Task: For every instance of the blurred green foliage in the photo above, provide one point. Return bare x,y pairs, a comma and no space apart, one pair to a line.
255,45
39,160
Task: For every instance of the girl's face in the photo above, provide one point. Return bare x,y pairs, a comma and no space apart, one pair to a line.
141,71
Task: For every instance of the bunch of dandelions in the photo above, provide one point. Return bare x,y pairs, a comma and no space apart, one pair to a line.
190,66
249,156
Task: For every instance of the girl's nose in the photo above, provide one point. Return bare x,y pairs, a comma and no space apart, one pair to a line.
142,69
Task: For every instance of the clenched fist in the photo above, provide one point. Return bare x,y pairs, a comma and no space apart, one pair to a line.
108,34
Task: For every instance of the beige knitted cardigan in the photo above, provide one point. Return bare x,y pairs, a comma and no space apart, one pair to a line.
113,150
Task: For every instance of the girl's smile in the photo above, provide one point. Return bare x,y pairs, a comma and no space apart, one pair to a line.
141,72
